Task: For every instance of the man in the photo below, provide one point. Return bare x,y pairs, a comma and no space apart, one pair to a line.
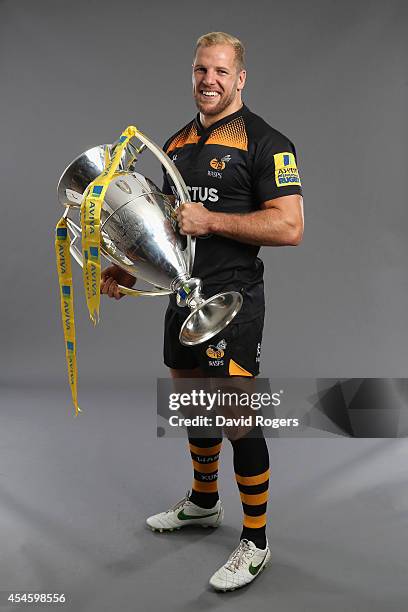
244,175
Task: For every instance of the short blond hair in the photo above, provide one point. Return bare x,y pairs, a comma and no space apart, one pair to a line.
222,38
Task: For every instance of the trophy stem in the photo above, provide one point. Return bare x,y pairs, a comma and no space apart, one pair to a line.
195,300
209,317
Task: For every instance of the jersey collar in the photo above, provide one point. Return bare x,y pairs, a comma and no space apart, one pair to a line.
201,130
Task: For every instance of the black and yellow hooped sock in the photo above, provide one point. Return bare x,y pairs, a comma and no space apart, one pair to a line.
204,454
251,465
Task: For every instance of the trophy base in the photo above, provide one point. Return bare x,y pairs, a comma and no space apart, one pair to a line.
210,317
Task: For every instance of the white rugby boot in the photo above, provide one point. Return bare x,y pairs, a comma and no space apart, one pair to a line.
186,513
243,566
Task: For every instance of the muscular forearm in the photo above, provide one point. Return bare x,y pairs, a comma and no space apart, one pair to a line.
261,228
279,222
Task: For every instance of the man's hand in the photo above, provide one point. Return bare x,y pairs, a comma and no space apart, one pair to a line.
193,219
113,276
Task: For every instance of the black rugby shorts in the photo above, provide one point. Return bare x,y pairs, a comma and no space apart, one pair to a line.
235,351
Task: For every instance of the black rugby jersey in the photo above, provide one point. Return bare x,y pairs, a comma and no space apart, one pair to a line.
232,166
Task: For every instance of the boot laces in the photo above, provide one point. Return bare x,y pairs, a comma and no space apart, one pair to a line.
180,503
241,554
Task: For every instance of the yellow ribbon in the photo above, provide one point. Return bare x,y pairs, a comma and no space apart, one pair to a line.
62,243
90,224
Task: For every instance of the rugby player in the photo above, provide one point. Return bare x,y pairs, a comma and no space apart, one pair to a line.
244,174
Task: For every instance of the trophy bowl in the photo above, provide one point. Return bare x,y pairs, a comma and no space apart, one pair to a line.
139,232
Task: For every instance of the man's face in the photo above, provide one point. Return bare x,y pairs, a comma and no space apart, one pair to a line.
217,82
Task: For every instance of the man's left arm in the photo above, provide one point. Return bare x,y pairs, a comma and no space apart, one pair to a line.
279,222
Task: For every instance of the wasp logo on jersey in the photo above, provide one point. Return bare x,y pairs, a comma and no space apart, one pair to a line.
286,172
218,166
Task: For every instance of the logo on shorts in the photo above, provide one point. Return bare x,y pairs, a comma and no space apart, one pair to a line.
216,352
258,353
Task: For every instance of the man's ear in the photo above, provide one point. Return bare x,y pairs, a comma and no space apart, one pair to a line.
241,80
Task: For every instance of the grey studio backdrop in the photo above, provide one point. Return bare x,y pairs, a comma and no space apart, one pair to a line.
331,76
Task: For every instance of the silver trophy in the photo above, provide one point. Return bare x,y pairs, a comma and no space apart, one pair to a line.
139,233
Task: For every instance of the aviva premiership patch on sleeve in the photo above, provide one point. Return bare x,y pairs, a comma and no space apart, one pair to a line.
286,172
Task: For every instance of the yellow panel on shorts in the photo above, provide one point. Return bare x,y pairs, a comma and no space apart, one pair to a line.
286,172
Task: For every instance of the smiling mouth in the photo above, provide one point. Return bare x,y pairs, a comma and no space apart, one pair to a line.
209,95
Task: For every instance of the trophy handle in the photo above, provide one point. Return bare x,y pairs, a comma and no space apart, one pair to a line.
75,231
182,191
